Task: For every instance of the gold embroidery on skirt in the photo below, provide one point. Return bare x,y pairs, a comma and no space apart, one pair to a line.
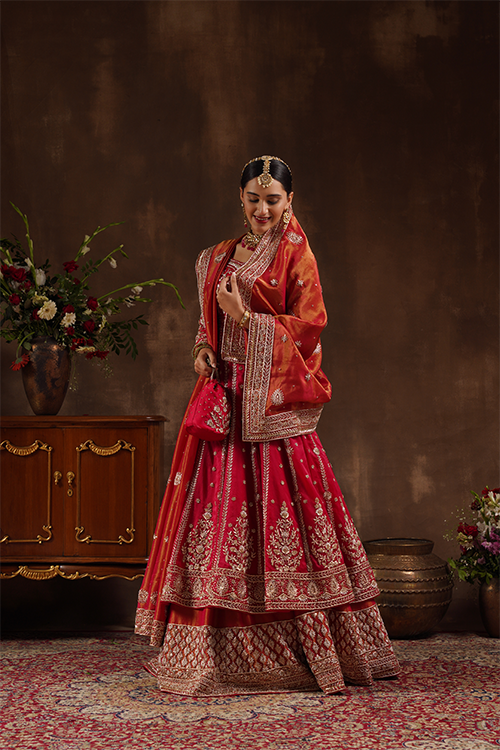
197,548
285,551
324,545
238,548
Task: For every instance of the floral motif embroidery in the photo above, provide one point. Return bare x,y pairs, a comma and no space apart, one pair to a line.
219,257
277,398
284,338
298,344
196,550
324,545
308,376
295,238
318,348
178,478
238,548
274,282
300,282
284,546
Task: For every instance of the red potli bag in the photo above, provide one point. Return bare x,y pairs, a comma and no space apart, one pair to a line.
210,413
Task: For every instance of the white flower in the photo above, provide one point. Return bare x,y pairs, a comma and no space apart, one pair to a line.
112,262
48,310
88,311
129,301
103,323
136,290
85,249
86,349
29,264
69,319
40,276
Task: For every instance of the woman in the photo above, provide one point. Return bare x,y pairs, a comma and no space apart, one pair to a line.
257,580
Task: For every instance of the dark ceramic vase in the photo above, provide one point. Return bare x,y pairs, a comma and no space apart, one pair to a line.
489,607
415,585
46,376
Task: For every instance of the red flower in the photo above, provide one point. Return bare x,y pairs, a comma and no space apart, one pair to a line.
70,331
76,281
92,303
102,355
20,362
89,326
70,266
18,274
68,309
14,299
27,285
90,355
76,343
34,315
5,269
468,530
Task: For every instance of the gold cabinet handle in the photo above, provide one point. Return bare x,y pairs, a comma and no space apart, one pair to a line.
70,476
57,477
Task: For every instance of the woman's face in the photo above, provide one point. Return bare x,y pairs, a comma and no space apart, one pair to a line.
264,206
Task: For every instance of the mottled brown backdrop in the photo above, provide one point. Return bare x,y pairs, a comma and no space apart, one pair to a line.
145,112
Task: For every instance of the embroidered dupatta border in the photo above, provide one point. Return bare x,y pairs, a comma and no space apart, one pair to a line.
233,347
256,425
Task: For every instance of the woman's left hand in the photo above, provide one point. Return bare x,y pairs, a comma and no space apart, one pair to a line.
230,300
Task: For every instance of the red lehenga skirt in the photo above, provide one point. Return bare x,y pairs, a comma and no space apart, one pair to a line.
268,585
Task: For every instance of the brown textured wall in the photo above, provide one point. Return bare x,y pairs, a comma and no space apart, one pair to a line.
146,111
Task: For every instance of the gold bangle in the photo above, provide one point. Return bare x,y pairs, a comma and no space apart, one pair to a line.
198,347
244,319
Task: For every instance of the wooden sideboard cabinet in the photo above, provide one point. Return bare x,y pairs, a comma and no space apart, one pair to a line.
79,495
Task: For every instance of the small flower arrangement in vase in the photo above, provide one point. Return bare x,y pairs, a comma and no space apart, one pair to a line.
478,535
479,540
37,306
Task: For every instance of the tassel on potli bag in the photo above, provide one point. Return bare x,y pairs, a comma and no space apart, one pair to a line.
210,413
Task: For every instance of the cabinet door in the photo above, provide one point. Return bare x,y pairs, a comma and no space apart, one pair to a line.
32,516
108,518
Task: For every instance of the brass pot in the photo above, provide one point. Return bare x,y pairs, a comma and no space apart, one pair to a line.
46,376
415,585
489,607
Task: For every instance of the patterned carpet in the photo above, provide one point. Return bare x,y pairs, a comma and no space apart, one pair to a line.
92,694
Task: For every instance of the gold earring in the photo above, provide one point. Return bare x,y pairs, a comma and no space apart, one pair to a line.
287,215
245,219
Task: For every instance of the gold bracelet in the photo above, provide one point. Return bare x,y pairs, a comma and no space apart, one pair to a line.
197,349
244,319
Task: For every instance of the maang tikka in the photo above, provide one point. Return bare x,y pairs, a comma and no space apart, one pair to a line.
265,178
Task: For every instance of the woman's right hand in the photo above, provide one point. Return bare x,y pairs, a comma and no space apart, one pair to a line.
201,365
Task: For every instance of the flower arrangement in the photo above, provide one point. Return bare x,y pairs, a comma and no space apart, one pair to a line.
35,303
479,539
